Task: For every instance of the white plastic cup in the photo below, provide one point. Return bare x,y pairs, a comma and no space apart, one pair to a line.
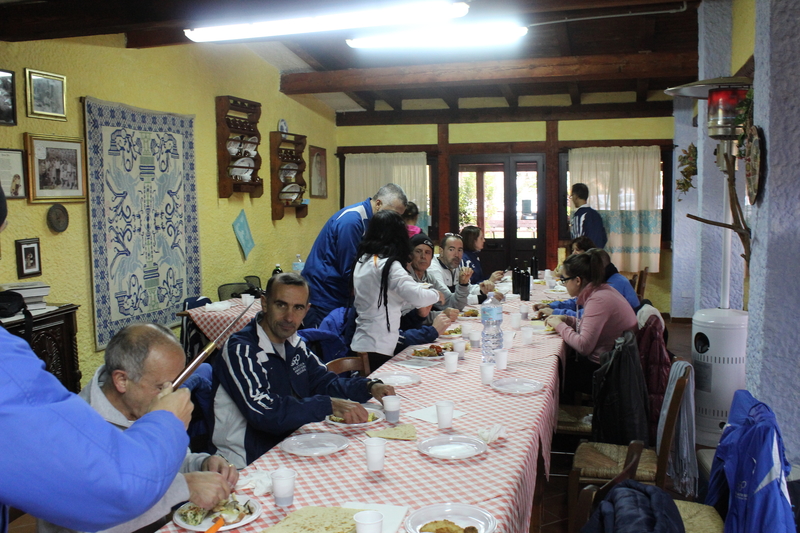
376,451
391,408
548,274
551,283
487,373
516,320
466,329
524,310
460,346
527,335
508,339
283,486
368,522
444,413
500,359
475,339
247,299
451,362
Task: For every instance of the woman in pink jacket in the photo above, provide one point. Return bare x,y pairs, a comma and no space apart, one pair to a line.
606,316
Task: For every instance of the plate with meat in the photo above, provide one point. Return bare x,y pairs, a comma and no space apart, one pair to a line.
450,518
435,352
375,417
236,511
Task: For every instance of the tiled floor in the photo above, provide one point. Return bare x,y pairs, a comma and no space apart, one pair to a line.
554,513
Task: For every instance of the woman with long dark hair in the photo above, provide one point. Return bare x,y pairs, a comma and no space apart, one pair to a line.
382,285
473,244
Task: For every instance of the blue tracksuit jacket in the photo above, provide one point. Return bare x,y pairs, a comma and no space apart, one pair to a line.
586,221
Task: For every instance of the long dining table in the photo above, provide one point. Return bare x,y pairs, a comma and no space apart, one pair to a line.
501,480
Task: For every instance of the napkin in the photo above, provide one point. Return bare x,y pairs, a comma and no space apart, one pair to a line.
428,414
392,514
257,480
218,306
491,434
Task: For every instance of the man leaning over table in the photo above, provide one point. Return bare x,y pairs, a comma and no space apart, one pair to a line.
139,360
421,258
446,270
267,383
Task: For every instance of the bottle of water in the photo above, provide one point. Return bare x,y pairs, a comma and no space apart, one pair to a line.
277,270
491,317
298,265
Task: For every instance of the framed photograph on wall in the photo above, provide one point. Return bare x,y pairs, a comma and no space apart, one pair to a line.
29,259
12,173
46,95
56,168
8,98
318,176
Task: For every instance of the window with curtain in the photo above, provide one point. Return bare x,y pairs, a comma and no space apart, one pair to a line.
364,174
625,188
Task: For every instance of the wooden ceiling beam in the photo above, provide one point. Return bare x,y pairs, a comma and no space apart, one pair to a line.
395,102
502,114
449,98
642,87
574,93
508,93
547,6
573,68
562,37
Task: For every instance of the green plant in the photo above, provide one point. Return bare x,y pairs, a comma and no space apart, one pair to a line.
687,162
744,118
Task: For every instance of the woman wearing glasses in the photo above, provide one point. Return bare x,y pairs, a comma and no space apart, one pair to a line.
473,244
606,316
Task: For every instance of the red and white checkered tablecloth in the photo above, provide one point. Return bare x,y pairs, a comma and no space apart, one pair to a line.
500,481
212,323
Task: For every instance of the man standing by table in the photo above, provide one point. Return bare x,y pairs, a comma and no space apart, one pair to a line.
329,267
446,270
267,384
421,258
585,220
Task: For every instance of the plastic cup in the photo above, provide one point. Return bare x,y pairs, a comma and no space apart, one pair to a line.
524,310
460,346
516,320
451,362
500,359
391,408
283,486
551,283
444,414
548,274
487,373
376,451
527,335
475,339
508,339
247,299
465,331
368,522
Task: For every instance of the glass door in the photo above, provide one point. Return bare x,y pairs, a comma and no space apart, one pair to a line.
504,196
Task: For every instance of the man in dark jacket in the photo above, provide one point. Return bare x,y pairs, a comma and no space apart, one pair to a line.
585,220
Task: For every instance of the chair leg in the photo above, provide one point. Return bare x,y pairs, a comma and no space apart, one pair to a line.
573,487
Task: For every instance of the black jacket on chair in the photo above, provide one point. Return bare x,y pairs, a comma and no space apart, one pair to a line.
620,395
632,507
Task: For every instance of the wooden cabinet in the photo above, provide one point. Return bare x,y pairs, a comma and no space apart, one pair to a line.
54,339
287,167
238,147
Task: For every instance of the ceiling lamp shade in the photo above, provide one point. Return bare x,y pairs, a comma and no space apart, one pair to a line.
723,95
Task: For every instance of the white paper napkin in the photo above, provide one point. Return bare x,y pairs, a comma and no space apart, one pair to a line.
428,414
392,514
257,480
218,306
491,434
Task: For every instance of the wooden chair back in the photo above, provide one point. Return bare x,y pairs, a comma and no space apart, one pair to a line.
633,281
641,283
665,446
359,364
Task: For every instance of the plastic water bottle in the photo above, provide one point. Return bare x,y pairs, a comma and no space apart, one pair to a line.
298,265
492,317
277,270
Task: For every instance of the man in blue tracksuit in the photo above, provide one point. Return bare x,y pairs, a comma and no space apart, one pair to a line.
267,384
750,469
585,220
329,267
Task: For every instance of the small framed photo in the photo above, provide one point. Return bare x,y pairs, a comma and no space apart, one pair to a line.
12,173
56,168
319,172
29,260
8,98
46,95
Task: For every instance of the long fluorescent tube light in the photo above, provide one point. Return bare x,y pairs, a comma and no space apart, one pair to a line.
402,14
446,36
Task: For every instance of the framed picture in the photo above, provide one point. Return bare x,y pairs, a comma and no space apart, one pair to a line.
12,173
319,172
46,95
8,99
29,260
56,168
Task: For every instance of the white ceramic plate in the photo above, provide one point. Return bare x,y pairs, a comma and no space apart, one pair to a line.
451,336
249,147
561,295
452,447
314,444
288,172
208,521
459,513
436,358
517,385
243,162
398,379
235,144
379,417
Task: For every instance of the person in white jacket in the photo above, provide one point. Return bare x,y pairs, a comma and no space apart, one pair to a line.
382,284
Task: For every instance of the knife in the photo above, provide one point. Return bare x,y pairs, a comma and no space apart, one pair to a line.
210,347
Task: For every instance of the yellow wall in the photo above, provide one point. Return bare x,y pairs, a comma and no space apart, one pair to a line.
386,135
624,128
744,33
498,132
179,79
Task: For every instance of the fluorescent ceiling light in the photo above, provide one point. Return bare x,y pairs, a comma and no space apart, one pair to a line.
402,14
446,36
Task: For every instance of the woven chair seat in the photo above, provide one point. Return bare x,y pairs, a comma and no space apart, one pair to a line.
699,518
604,461
571,419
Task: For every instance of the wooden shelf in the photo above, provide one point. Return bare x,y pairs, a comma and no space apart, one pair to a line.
237,124
287,167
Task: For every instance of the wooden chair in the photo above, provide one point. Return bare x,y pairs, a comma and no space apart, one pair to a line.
598,462
633,281
359,364
571,420
231,290
641,283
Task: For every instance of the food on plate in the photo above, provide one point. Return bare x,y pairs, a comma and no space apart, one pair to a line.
401,432
434,351
371,417
470,313
232,510
549,328
316,519
455,331
192,514
546,301
446,526
470,529
447,346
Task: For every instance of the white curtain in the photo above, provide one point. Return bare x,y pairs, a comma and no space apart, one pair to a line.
625,188
364,174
